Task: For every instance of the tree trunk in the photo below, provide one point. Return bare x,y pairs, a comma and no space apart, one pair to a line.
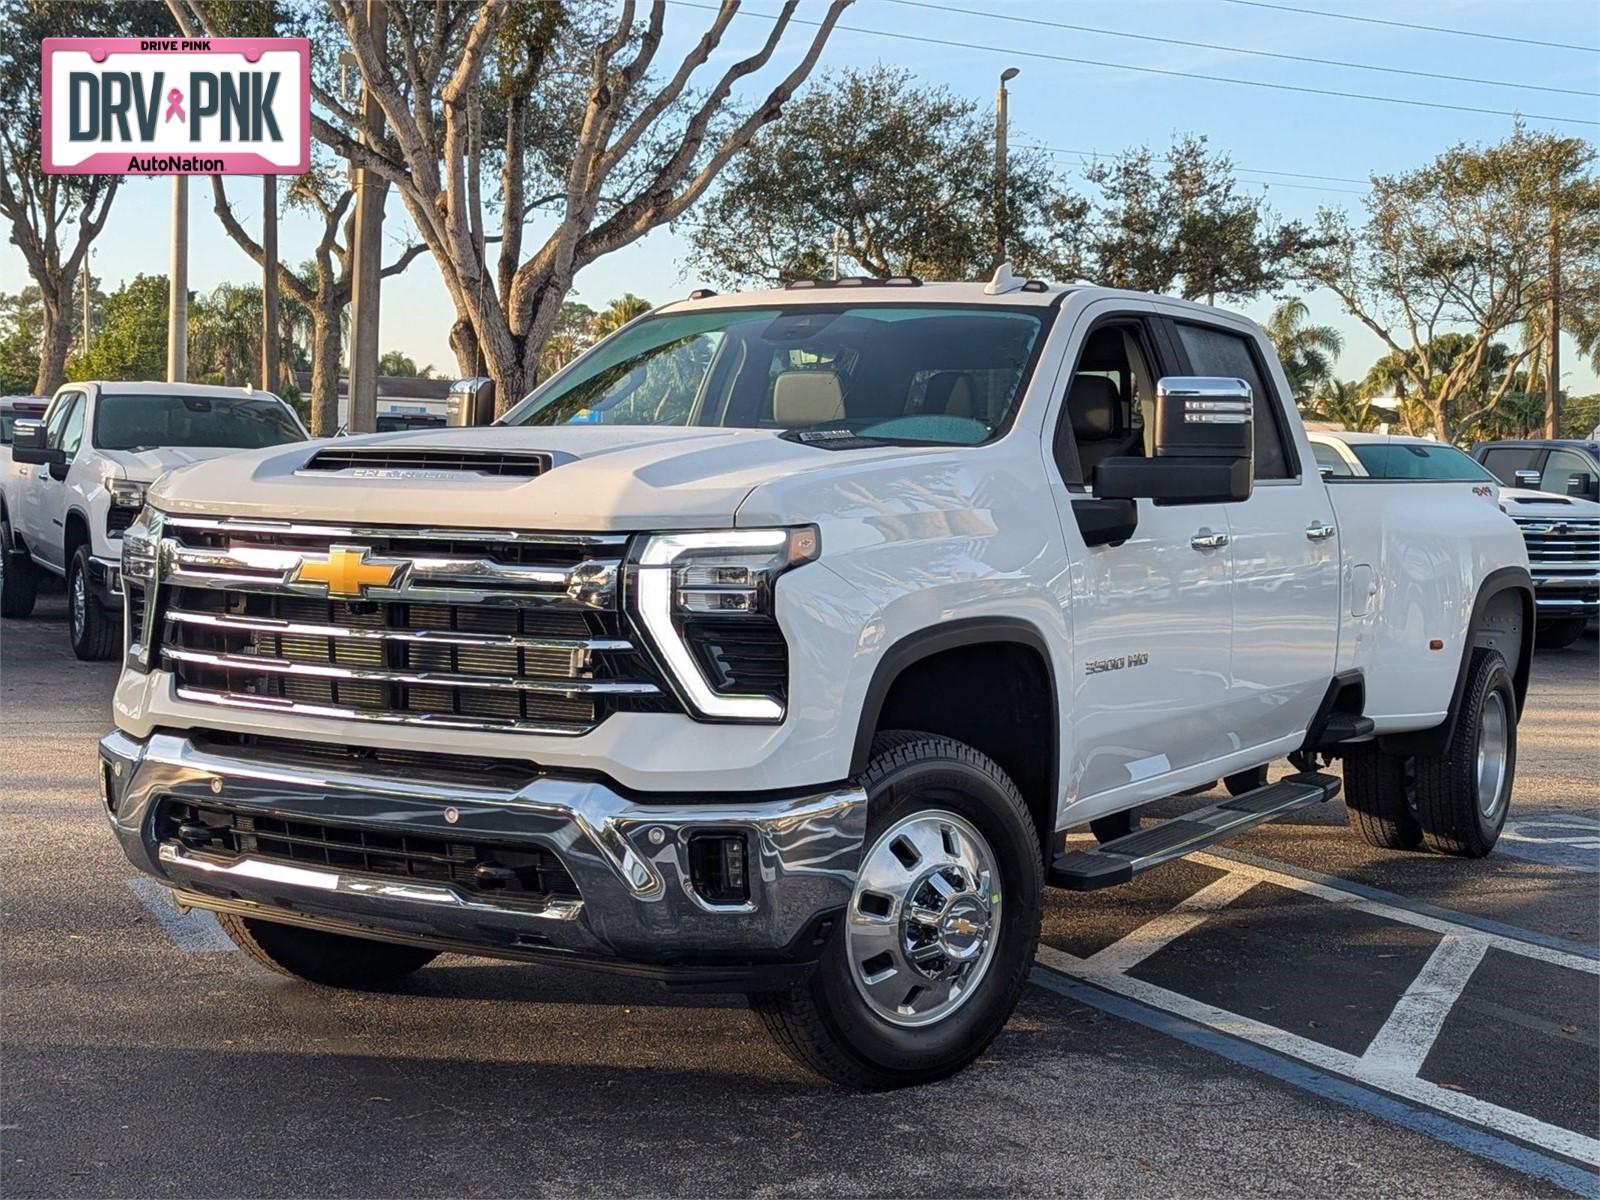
325,367
55,335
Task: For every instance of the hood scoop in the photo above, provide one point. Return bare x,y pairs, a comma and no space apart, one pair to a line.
431,462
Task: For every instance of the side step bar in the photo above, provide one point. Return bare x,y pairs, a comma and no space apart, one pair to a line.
1119,861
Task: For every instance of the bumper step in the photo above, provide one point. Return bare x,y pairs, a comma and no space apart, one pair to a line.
1120,860
1345,727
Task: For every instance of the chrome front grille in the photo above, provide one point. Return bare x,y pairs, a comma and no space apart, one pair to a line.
469,629
1559,541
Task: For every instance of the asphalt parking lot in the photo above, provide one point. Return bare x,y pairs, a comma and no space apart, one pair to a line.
1297,1015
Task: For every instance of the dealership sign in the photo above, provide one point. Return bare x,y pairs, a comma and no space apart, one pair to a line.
171,106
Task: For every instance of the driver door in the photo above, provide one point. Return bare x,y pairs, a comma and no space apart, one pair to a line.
1152,616
44,500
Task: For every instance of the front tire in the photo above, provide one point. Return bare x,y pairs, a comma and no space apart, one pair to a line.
924,969
95,630
1463,795
19,582
329,959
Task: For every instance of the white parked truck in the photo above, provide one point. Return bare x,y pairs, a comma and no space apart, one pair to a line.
774,645
81,474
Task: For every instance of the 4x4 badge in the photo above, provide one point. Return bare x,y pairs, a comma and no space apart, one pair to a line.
347,571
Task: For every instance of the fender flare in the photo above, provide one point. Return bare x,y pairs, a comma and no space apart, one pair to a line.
1478,632
953,635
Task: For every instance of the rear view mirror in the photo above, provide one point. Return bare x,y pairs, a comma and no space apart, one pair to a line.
1204,446
1527,479
1581,483
28,445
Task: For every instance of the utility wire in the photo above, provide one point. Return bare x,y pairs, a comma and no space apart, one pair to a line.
1014,52
1242,170
1169,41
1497,37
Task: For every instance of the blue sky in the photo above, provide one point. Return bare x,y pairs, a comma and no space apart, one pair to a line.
1073,106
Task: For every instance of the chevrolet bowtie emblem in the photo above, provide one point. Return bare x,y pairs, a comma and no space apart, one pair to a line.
347,571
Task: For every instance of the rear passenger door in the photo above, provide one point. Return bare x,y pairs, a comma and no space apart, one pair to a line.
1285,550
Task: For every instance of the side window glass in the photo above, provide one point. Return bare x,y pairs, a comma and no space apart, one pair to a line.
72,433
1561,466
57,420
1505,461
1104,410
1218,352
65,430
1328,460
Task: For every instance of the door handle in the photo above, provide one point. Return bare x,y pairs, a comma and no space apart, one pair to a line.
1319,531
1206,540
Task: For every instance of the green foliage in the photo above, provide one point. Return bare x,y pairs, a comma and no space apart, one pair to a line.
904,174
1342,404
1183,229
133,342
394,362
1306,351
1460,249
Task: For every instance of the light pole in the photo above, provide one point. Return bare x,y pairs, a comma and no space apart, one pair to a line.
1000,214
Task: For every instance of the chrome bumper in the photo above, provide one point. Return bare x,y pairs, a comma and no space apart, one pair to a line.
639,905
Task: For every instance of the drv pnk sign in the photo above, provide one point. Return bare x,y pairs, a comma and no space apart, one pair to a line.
176,106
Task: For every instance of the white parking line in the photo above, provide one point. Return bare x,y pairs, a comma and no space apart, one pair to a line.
195,932
1396,1054
1144,941
1412,1028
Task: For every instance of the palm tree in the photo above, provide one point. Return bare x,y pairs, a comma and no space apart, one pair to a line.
1306,351
618,313
1343,404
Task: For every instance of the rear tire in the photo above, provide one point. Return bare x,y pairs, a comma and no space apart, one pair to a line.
897,998
1378,793
1558,635
19,582
1463,795
94,629
329,959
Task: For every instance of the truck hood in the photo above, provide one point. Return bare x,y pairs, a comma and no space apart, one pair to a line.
603,478
144,466
1525,502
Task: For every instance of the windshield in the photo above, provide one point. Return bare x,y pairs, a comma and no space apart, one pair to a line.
949,375
1418,460
137,421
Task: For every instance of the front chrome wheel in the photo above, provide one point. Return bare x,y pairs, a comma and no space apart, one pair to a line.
80,604
1494,742
924,919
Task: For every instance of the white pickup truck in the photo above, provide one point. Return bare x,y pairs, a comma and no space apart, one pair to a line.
81,476
774,645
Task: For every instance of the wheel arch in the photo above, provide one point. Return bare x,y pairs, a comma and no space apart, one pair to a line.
1023,740
75,532
1503,619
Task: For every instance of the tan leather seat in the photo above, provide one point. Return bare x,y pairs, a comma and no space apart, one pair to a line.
807,398
949,393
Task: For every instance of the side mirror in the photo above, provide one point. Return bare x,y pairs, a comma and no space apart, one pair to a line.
1205,446
1581,483
1527,479
28,445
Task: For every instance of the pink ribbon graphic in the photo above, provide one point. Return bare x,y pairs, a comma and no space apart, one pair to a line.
175,105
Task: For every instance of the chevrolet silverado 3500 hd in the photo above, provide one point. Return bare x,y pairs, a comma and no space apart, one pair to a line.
773,645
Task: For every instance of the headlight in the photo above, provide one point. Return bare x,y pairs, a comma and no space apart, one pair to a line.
124,493
706,600
141,588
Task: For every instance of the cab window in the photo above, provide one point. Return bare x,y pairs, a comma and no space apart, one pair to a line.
1109,406
1329,461
1215,351
1560,467
1505,461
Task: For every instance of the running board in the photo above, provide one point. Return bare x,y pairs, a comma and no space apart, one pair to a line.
1119,861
